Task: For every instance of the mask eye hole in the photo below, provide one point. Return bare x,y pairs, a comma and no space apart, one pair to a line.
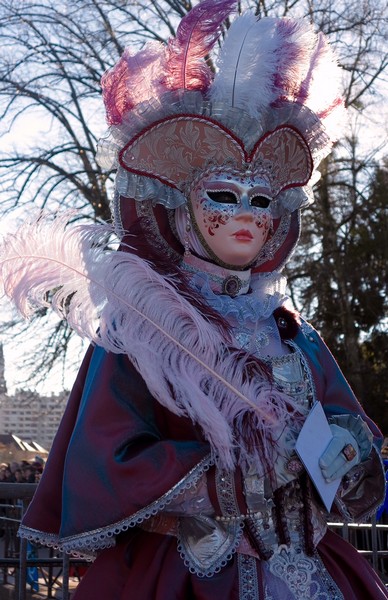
222,197
260,201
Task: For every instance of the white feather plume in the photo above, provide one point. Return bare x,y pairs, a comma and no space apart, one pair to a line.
265,62
116,300
321,88
246,64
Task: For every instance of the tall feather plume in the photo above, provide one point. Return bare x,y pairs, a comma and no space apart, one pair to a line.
307,72
296,42
197,33
246,63
132,80
321,88
115,300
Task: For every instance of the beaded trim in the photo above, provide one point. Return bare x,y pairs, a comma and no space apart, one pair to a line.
226,494
250,514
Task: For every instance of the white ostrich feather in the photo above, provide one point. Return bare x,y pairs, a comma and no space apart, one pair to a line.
309,73
321,88
246,65
116,300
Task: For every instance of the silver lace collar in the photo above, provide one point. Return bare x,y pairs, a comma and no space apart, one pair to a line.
257,297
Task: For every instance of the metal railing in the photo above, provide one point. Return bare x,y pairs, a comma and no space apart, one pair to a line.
370,539
16,562
19,560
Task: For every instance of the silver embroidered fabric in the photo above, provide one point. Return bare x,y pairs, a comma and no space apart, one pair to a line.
206,545
247,578
289,376
288,575
292,575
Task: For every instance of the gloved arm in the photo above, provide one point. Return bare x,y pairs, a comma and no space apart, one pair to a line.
349,433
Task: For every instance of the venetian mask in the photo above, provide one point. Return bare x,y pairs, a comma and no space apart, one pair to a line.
232,218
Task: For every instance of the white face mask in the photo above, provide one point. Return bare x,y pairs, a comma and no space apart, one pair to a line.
232,217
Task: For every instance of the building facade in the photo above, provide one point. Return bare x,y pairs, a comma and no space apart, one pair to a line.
29,415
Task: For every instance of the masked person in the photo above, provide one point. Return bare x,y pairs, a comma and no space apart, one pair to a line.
175,465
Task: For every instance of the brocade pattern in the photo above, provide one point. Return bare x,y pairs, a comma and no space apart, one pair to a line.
247,578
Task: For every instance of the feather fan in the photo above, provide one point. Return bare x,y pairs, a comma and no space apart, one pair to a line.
116,300
198,31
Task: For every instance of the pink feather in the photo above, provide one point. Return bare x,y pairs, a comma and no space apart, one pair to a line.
197,33
307,73
132,80
296,42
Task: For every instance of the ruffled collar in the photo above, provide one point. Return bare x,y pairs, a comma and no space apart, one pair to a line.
256,298
221,280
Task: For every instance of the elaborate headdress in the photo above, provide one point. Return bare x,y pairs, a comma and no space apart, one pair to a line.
271,109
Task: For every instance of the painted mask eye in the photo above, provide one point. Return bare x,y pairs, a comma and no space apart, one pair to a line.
222,197
260,201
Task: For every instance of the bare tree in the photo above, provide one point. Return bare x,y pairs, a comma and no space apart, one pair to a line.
52,56
345,274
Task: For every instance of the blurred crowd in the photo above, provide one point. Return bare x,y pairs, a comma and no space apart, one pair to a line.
22,472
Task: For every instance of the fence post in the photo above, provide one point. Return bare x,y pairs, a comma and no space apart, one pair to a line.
374,543
65,576
21,580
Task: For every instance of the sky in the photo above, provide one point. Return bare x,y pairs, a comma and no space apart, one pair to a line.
29,130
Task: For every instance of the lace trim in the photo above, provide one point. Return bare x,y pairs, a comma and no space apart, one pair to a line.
267,295
50,540
192,563
232,533
217,276
306,577
85,544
